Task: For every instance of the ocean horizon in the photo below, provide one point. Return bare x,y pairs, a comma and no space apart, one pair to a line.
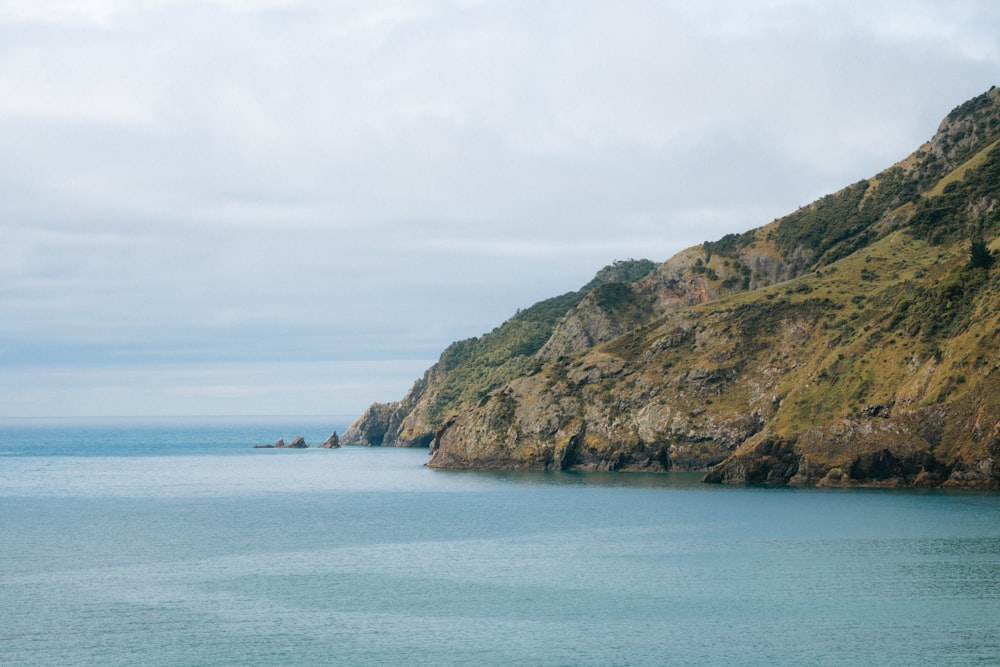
170,541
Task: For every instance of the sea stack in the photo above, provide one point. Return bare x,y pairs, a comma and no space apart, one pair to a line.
298,443
333,442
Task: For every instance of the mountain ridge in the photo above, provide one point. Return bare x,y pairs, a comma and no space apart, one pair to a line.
850,342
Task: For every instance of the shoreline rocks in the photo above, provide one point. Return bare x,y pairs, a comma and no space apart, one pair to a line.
333,442
297,443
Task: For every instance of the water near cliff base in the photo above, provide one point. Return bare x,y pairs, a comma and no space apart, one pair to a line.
174,543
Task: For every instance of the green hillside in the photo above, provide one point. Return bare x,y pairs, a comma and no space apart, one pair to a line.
853,341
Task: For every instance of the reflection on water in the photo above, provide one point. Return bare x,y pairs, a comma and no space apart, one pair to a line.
638,480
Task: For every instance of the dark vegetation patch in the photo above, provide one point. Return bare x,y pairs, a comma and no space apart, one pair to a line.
967,208
729,245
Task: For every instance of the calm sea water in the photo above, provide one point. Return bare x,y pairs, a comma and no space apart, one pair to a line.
172,542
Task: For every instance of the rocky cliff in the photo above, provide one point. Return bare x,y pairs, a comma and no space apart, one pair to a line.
851,342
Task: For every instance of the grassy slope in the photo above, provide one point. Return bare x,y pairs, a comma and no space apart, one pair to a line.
886,330
903,325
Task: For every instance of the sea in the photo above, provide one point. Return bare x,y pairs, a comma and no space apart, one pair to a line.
174,542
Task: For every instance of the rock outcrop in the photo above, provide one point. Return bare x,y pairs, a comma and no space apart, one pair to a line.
333,442
398,424
297,443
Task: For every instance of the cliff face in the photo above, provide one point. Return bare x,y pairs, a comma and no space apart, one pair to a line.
853,341
390,423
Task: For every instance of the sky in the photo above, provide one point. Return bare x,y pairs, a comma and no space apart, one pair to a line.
285,207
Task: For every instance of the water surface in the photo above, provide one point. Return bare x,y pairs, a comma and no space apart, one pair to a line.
174,543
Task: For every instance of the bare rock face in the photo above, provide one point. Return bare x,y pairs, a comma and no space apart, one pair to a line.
298,443
571,417
370,429
586,326
848,453
770,460
333,442
396,424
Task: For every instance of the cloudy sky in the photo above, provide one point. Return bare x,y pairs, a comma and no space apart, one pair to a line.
292,206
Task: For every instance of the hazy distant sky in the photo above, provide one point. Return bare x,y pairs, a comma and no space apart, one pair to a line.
292,206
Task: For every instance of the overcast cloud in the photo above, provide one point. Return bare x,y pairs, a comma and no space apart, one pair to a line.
285,206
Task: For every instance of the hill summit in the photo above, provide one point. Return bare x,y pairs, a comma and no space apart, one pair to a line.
851,342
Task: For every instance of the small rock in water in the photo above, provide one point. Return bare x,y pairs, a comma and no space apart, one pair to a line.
333,442
298,443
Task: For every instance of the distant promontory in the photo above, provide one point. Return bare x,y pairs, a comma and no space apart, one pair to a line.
855,341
